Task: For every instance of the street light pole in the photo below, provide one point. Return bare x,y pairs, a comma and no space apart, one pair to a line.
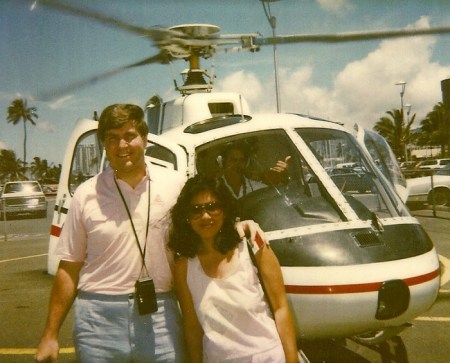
273,23
408,110
402,84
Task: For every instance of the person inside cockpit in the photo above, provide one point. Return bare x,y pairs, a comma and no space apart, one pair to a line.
234,160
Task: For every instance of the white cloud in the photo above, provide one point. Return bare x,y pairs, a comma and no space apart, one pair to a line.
363,90
247,84
45,126
3,145
367,88
335,6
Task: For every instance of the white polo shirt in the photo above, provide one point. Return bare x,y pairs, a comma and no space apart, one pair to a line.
98,231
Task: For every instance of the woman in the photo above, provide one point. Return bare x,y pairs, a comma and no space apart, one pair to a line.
225,314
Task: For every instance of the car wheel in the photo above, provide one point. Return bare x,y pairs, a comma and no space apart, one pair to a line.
439,197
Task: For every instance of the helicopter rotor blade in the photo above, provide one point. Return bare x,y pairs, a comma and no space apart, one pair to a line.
159,58
155,33
349,37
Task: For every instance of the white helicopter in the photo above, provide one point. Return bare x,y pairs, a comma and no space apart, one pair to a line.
355,262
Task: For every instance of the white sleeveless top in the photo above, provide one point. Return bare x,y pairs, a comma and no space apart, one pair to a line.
234,315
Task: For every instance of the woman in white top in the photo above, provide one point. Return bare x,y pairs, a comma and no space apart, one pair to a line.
225,315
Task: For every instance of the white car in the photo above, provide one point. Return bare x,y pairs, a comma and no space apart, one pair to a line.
432,189
23,198
433,164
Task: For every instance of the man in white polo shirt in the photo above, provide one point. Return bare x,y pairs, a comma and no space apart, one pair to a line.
113,237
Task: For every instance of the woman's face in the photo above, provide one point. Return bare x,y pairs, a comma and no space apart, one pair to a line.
206,215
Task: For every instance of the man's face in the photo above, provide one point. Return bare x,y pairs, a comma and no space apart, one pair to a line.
235,162
125,149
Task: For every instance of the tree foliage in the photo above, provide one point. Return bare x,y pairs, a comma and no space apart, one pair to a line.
18,111
396,131
11,168
435,129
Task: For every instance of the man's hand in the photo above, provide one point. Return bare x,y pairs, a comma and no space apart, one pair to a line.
281,165
251,230
47,351
278,173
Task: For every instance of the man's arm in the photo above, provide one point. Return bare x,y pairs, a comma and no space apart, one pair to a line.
251,230
62,296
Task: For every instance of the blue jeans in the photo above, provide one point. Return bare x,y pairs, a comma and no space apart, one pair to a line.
108,328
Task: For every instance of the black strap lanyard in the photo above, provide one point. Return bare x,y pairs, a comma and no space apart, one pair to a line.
132,224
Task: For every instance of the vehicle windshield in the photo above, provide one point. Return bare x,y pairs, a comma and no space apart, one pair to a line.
305,194
27,187
444,171
384,158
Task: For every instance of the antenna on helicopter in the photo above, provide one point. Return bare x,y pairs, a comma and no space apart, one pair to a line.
273,23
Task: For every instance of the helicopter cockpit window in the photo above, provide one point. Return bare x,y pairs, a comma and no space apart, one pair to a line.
348,168
86,161
161,156
246,164
383,157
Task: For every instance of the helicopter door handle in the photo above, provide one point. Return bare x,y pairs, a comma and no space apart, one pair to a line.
60,205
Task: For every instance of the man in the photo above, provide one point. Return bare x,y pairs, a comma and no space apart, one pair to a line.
234,160
113,237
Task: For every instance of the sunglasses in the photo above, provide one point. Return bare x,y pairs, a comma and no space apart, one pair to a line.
196,211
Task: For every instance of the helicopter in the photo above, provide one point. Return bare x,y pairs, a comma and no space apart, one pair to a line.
355,262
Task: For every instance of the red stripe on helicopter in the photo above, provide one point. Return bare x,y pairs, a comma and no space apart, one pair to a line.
356,288
55,231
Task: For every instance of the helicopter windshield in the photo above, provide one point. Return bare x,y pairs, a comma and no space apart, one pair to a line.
304,194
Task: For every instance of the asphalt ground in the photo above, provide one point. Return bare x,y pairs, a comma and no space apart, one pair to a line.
25,288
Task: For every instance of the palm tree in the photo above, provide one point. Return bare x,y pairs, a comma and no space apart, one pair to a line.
11,168
18,111
396,132
435,129
39,168
54,173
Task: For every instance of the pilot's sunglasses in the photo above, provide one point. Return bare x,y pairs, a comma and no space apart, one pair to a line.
196,211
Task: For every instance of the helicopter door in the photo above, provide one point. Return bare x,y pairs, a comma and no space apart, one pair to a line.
84,158
384,158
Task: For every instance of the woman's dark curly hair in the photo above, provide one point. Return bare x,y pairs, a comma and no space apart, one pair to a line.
183,241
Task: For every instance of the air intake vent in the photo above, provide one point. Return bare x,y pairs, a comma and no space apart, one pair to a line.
367,239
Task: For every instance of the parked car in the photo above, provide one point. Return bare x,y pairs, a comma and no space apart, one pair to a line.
405,165
50,190
23,198
410,170
433,164
350,179
421,189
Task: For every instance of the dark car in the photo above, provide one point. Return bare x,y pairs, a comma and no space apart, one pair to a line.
351,179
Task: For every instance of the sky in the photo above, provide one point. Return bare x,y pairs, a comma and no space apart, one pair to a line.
43,50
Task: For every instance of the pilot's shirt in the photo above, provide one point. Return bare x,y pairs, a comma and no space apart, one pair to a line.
247,186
